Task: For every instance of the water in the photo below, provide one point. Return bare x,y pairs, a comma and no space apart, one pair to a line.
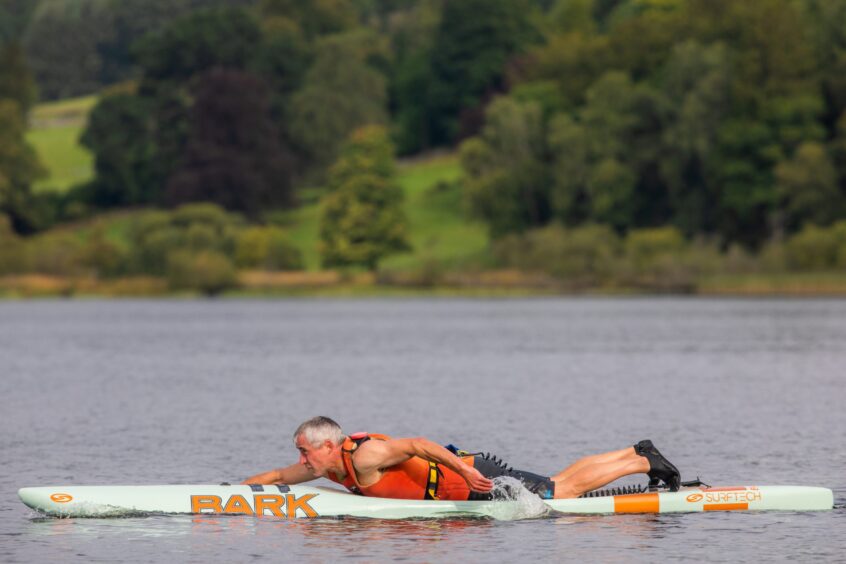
164,392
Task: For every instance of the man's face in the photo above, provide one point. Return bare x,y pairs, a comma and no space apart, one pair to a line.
317,458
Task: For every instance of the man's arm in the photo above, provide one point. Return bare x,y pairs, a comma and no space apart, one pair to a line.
293,474
373,456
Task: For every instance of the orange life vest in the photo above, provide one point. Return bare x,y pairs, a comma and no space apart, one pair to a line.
413,479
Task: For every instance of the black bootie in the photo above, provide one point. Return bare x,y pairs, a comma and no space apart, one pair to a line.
659,467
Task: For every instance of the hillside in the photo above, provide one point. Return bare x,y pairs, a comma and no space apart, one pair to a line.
439,229
54,133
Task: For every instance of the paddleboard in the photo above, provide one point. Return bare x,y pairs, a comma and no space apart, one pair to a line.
302,501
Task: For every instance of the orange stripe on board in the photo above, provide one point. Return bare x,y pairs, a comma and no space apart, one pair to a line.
726,507
636,503
731,489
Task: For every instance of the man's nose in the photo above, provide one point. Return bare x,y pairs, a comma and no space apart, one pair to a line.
303,459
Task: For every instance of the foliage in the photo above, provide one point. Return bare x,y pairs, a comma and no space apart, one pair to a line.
207,39
120,134
508,185
314,18
77,46
209,272
200,127
19,168
191,228
340,93
584,255
12,258
16,82
361,218
808,183
471,45
267,248
232,155
816,248
711,116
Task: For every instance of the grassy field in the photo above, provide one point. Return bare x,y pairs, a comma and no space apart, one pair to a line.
54,133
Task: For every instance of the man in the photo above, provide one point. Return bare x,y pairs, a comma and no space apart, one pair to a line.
377,465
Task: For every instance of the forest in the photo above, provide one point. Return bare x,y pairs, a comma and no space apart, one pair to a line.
554,145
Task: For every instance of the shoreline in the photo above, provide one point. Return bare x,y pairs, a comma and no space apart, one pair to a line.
487,284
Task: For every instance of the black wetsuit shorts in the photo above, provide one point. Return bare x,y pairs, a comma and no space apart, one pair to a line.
491,467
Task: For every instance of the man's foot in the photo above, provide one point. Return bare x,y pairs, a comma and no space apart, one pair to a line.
659,467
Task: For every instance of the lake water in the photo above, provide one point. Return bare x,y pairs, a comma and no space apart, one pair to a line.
167,392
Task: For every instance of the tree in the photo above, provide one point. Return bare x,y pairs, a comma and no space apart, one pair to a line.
473,42
120,135
746,153
63,45
606,156
340,93
225,37
697,88
232,156
16,82
808,184
507,179
315,17
362,219
19,168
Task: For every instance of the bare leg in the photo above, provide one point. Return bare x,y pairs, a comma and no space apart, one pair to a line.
596,471
603,458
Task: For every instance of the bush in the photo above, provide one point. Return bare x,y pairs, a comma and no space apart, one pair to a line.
585,255
208,272
194,228
102,256
660,259
267,248
12,257
816,248
57,254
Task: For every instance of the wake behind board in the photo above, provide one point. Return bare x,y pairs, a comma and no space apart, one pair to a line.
309,502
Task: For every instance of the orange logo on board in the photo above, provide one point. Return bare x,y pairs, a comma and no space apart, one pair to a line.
61,497
693,498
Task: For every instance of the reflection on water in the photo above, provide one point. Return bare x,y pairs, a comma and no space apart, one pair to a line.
146,392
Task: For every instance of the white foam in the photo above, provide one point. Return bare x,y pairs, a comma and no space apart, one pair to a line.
512,501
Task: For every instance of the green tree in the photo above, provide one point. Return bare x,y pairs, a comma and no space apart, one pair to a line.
19,168
120,135
607,154
747,152
507,179
62,44
473,42
315,17
569,16
808,184
362,219
16,82
225,37
340,93
611,189
697,88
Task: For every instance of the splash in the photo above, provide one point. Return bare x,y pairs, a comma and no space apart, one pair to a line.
512,501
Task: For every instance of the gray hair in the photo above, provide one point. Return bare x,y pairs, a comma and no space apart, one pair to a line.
319,429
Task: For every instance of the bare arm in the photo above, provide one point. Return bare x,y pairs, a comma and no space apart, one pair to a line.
293,474
373,456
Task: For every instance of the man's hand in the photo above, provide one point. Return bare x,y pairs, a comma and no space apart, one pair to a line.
476,481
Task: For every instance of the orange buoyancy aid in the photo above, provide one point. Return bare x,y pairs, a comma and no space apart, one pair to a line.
415,478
